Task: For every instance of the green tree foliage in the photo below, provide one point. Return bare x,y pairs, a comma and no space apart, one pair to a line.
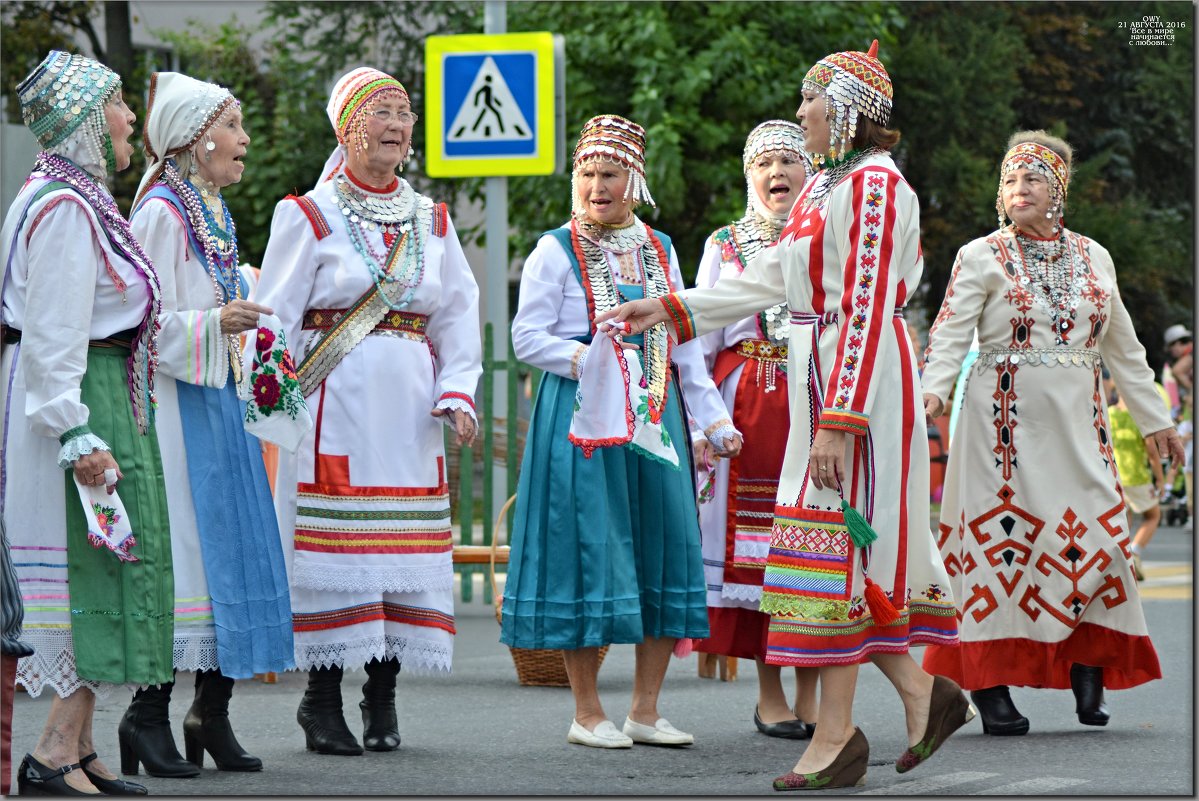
33,29
965,82
698,77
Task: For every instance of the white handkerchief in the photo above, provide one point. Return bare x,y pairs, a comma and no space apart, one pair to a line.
275,407
107,522
612,403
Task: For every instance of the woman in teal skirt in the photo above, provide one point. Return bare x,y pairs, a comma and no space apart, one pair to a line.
605,544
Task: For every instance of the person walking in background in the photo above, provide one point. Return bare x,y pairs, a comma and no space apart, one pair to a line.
1032,527
605,538
1179,347
1141,478
748,362
857,453
232,611
81,488
381,309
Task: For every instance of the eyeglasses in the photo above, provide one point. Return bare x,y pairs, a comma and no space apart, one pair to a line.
385,116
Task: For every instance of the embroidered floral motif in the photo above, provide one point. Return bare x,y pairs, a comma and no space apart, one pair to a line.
867,263
275,386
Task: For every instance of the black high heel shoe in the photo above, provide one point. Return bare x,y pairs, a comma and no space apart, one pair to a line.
34,778
999,714
110,786
1087,684
206,726
144,735
320,716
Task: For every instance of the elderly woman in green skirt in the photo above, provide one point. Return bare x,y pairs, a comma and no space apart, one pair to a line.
81,487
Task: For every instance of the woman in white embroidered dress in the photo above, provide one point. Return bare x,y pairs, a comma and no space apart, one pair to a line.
80,310
1033,529
842,592
381,308
232,612
748,360
605,543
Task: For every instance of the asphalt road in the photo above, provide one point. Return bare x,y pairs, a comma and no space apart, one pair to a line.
477,732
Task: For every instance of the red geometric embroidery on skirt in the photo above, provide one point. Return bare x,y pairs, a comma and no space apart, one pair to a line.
1005,418
1074,564
1007,534
1113,522
1099,423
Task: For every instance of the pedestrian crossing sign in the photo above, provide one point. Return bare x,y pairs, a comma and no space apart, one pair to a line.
493,105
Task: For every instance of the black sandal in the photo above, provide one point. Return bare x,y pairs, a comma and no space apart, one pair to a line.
110,786
34,778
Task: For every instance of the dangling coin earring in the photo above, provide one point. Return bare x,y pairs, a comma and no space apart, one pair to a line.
209,146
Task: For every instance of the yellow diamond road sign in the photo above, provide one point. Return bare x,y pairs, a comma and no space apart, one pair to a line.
493,105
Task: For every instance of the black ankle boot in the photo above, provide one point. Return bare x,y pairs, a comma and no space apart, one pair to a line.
206,727
1087,684
999,714
145,736
381,730
325,729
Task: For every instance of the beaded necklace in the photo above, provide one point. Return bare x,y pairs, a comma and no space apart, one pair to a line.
600,287
828,178
403,217
143,356
750,235
218,247
615,239
1054,271
218,243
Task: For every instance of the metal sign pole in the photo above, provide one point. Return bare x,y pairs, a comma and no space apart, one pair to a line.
495,20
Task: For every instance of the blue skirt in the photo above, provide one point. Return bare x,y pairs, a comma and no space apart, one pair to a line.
604,550
239,535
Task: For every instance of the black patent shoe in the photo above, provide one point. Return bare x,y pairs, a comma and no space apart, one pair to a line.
785,729
1000,716
1087,684
110,786
34,778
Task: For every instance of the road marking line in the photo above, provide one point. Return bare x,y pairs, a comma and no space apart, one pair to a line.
1043,785
929,785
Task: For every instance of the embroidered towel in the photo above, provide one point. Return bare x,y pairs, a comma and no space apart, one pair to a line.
275,407
612,402
107,522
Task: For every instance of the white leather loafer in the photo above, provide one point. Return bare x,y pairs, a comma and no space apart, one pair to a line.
605,735
661,733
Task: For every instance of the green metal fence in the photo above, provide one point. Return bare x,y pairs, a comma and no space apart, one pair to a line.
500,443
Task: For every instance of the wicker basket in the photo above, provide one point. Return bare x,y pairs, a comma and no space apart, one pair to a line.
534,666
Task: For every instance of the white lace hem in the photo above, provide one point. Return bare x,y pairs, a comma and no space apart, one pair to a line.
418,657
195,653
53,665
362,578
78,446
741,592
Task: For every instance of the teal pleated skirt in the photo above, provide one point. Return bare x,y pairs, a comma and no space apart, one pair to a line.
604,550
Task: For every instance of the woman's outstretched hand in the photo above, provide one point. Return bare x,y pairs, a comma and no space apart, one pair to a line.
638,314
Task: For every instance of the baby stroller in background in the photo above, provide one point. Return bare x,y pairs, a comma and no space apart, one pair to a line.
1174,503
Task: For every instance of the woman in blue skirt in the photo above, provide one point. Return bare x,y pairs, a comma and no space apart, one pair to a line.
605,544
232,605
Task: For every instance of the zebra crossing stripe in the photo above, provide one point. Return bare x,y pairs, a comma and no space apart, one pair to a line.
929,785
1043,785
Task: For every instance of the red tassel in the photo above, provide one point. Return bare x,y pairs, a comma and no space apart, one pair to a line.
881,609
683,647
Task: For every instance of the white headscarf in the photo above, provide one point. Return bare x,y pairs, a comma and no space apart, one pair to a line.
179,111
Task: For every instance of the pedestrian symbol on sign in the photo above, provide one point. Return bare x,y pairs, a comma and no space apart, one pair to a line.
489,112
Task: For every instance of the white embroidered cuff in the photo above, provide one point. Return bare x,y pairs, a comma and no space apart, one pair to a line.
80,445
718,435
459,404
